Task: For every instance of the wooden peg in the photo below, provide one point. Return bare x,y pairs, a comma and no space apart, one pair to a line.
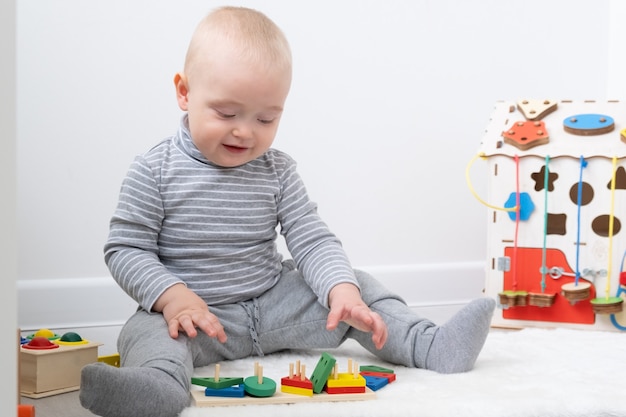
259,374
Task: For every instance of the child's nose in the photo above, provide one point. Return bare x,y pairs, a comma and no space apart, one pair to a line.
243,131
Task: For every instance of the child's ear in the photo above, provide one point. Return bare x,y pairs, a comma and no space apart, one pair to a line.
180,81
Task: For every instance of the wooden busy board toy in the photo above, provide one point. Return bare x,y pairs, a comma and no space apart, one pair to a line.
556,234
326,384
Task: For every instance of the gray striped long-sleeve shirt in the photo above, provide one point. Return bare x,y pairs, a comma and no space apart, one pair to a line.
182,219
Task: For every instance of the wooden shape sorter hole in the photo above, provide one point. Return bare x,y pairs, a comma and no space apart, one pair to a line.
536,109
620,179
586,195
601,225
588,124
527,134
556,224
540,179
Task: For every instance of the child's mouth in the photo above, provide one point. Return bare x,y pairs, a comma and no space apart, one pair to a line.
235,149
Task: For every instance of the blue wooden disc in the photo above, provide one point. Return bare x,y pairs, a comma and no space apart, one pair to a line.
588,124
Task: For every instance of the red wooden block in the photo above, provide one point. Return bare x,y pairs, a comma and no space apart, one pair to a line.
388,376
345,390
295,381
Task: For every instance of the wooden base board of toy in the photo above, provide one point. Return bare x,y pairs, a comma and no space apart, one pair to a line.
200,400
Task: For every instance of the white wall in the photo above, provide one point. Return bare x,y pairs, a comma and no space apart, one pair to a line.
617,46
389,102
8,249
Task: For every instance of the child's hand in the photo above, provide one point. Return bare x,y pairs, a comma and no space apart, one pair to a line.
185,310
347,305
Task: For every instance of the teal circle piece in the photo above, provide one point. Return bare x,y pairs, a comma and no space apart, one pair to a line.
265,389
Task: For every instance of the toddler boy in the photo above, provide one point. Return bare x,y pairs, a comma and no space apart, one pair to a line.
193,242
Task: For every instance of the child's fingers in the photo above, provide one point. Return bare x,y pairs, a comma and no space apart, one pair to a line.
368,321
185,323
361,318
379,331
210,325
334,317
366,317
220,334
172,327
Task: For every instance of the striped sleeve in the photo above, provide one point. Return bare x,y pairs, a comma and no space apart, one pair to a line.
318,253
132,252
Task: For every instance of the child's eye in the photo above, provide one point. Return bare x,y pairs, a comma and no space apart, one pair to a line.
266,121
224,115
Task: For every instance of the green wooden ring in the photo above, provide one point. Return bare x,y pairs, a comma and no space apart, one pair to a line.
265,389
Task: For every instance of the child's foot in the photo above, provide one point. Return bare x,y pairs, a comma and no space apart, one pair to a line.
120,392
457,343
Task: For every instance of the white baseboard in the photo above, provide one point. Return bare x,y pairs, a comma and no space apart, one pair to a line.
96,308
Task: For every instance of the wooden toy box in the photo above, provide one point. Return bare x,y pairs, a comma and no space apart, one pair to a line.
54,371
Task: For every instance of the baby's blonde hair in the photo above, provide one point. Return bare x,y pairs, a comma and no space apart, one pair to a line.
254,36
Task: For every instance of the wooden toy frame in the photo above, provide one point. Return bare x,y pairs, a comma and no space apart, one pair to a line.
200,400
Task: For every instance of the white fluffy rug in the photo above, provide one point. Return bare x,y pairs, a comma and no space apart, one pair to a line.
526,373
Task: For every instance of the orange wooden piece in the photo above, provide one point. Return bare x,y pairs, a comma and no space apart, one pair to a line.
526,134
25,410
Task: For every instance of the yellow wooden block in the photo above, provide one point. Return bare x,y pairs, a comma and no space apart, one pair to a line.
345,380
113,360
296,390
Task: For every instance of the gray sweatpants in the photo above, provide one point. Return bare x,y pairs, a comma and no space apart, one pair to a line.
286,317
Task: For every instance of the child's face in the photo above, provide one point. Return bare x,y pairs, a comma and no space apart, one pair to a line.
233,107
